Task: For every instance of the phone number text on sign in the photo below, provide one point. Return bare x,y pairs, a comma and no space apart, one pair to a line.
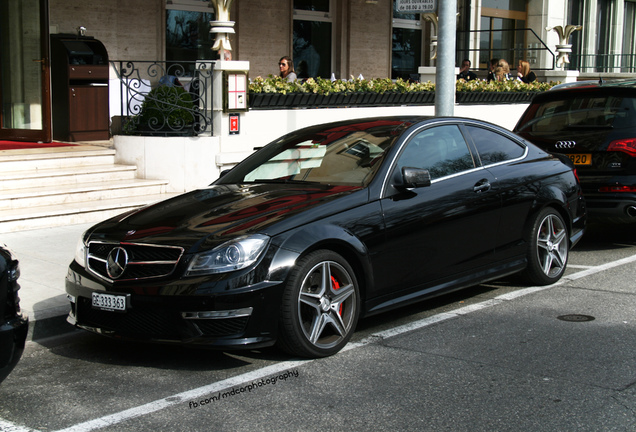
416,5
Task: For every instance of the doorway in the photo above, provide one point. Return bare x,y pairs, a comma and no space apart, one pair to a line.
25,113
503,33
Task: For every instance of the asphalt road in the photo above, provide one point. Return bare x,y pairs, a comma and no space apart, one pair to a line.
496,357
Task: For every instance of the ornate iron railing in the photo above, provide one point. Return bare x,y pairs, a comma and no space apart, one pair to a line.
165,98
524,44
603,63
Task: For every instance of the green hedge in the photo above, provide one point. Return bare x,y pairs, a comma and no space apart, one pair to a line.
322,86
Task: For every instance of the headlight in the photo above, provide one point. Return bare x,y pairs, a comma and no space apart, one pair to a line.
14,272
80,252
236,254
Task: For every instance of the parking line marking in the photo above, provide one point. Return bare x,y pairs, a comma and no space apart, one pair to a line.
160,404
601,268
245,378
7,426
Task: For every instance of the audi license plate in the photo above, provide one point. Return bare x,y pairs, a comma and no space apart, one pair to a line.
581,158
109,302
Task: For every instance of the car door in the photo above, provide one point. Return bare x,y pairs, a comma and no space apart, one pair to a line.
441,232
517,179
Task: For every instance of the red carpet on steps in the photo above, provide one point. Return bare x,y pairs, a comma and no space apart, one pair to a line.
18,145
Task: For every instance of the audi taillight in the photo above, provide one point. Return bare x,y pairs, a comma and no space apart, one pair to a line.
627,145
618,188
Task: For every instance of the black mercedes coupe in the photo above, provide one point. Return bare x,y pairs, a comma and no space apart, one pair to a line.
327,225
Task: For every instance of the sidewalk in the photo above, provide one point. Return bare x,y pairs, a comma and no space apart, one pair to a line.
44,256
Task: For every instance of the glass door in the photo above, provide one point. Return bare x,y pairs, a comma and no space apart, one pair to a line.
25,113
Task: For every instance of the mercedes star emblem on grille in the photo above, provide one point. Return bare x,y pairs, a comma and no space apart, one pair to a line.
116,262
565,144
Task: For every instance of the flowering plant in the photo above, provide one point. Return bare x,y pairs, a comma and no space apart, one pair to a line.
322,86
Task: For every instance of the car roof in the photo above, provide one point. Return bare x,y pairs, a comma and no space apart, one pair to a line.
623,87
596,84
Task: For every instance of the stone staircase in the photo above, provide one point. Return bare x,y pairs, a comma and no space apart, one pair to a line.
58,186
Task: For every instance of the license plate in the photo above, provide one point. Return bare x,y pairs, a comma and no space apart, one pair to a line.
109,302
581,158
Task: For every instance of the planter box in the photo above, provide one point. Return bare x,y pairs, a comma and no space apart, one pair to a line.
335,100
476,98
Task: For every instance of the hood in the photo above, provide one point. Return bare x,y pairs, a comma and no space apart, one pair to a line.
221,212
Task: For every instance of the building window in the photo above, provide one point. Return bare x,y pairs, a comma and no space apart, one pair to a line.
188,36
313,35
406,54
512,5
599,47
502,35
629,38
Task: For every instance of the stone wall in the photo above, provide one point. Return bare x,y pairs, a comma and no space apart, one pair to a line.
263,34
369,36
130,30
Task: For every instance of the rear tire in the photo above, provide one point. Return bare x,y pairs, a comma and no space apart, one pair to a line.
320,306
548,248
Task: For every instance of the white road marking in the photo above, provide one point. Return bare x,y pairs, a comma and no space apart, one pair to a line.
7,426
160,404
258,374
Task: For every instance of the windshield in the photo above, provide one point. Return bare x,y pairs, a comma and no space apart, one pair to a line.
343,155
584,111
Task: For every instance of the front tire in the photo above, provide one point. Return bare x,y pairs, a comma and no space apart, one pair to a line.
320,306
548,248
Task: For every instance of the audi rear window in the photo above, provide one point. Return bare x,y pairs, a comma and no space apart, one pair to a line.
581,112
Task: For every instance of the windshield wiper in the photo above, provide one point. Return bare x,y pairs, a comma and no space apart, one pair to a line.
589,126
285,181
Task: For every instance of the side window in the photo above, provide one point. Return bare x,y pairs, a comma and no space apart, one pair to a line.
493,147
442,150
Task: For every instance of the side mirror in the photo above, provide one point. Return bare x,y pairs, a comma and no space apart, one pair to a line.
415,177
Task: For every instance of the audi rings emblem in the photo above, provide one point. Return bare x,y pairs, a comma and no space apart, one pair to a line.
565,144
116,262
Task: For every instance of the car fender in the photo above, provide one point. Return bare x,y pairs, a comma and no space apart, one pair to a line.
322,236
550,196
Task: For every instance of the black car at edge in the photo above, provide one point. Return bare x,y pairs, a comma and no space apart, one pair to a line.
594,124
14,324
324,226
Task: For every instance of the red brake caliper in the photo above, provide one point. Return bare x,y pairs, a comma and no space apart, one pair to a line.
335,285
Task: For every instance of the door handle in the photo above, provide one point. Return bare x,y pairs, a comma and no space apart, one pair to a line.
481,186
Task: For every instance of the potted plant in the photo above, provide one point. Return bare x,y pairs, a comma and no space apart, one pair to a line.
166,111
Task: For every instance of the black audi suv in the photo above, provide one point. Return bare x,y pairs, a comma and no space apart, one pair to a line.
594,124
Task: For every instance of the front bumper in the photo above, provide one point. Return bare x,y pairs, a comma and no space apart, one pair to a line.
178,313
13,335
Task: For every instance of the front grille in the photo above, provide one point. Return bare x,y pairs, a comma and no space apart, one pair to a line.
150,323
143,261
157,323
221,327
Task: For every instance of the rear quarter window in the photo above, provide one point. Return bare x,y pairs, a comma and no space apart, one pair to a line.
494,147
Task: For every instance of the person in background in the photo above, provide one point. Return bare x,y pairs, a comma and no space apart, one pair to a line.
465,73
505,70
286,66
524,73
491,72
